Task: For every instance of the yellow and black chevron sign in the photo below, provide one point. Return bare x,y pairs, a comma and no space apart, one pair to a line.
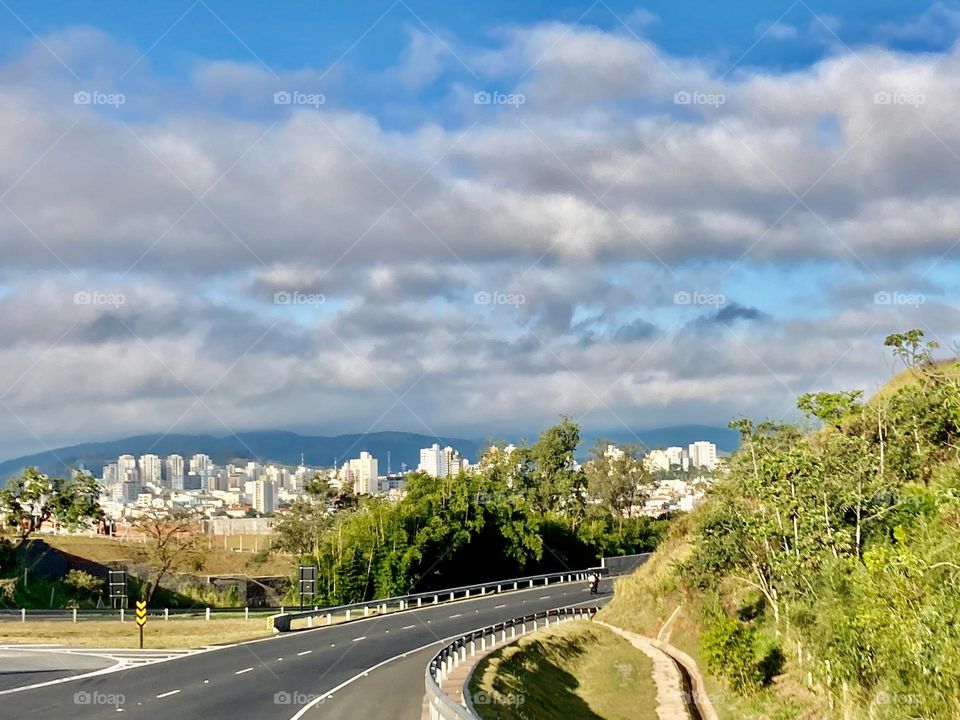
141,612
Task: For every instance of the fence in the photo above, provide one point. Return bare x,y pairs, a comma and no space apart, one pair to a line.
283,621
442,706
623,564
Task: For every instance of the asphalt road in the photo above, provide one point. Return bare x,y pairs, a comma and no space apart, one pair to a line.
22,667
278,677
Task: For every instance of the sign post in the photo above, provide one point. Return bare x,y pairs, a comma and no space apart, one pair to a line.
118,589
308,583
141,618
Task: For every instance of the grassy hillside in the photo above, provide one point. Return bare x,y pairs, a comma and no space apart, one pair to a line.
820,578
577,670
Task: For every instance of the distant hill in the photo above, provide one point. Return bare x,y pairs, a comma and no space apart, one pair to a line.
285,447
269,446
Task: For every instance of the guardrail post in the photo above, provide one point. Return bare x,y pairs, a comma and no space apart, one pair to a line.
281,609
419,602
513,631
534,625
531,583
121,614
523,628
309,621
348,613
74,614
473,648
366,611
546,581
483,643
246,613
498,588
451,596
208,613
434,599
514,586
483,591
329,618
463,653
23,614
503,635
493,638
166,614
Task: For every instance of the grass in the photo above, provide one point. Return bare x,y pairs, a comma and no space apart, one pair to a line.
176,633
216,559
576,670
644,600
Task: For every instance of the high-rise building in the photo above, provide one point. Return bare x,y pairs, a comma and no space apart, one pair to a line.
173,478
362,473
439,462
264,496
703,454
199,463
675,455
127,468
150,469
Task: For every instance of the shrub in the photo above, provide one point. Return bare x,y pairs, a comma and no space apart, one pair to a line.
730,650
83,583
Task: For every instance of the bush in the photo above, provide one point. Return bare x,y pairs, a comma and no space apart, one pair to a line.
736,652
83,583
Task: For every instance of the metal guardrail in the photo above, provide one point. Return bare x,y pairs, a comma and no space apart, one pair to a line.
442,706
283,621
623,564
25,614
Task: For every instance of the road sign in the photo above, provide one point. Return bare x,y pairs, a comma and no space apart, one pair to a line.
308,583
141,618
117,591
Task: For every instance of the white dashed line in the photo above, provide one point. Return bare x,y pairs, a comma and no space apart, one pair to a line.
408,627
245,670
497,607
455,616
167,694
305,652
544,597
362,637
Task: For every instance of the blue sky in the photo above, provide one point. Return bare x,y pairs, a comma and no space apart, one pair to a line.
467,219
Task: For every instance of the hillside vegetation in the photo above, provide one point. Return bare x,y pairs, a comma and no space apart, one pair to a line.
821,578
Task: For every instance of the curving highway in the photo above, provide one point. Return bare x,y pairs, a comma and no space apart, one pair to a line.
307,674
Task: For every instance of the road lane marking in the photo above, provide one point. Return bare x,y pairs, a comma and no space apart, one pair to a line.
497,607
305,652
167,694
362,637
544,597
245,670
408,627
455,616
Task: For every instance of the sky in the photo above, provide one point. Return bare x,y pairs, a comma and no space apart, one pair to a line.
465,219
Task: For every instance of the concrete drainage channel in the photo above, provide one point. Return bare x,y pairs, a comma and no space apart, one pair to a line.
448,673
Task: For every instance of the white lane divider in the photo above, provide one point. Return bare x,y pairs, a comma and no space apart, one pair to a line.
408,627
456,615
245,670
362,637
305,652
167,694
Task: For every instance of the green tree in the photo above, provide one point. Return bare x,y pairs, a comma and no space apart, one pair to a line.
33,499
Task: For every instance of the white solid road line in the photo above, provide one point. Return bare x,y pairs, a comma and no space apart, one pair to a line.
305,652
167,694
245,670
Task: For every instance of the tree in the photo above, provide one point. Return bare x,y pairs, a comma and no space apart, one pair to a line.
33,499
173,541
617,479
560,483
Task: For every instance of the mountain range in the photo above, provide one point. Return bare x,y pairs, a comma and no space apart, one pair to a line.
286,447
